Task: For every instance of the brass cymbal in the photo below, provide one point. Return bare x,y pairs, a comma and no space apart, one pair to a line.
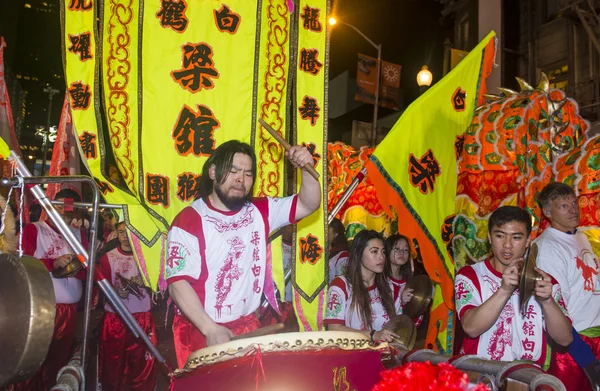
405,328
422,295
528,277
70,270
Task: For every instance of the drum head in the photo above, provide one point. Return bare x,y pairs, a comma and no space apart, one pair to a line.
27,310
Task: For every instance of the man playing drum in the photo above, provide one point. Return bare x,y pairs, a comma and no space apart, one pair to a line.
217,265
566,254
487,298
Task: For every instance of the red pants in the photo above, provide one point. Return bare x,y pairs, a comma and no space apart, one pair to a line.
125,364
566,369
58,354
188,339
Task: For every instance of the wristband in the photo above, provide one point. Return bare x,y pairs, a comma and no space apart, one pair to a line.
372,334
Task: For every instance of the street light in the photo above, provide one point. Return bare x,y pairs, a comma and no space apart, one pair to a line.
332,22
424,77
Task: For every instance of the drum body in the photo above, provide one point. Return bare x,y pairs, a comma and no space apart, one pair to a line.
290,361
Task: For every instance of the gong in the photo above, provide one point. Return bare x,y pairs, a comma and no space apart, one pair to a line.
27,310
404,327
528,277
422,295
72,268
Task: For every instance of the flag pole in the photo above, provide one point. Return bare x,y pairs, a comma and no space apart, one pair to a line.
346,195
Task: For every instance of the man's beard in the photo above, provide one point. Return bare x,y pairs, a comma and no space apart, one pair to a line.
231,203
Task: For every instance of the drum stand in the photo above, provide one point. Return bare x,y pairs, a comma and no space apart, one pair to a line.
86,258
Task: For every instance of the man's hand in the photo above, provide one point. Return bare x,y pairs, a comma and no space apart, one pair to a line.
63,261
407,294
543,287
299,156
217,334
510,277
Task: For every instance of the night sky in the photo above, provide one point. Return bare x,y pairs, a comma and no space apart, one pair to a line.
410,32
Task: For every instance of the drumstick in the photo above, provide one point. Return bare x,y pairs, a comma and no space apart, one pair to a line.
260,332
311,170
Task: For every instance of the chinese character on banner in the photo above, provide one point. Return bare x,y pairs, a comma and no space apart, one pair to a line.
193,132
88,144
227,21
309,110
81,45
80,95
312,148
309,61
188,186
310,19
424,171
104,187
459,145
157,189
198,68
80,5
172,15
458,100
310,249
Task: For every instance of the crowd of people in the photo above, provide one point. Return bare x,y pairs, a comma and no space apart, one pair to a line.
218,289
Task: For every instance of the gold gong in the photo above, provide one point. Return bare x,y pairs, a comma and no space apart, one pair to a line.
404,327
27,310
528,277
70,270
422,295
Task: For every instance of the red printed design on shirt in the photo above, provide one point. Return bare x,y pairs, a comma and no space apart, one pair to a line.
229,272
588,264
502,336
245,220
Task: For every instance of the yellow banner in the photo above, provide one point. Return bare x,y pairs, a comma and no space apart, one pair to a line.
456,56
178,79
271,106
416,180
310,268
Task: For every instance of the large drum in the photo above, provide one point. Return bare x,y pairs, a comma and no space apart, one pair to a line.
324,360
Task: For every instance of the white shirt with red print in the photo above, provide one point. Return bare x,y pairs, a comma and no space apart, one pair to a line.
572,262
224,254
513,336
121,262
338,264
339,298
43,242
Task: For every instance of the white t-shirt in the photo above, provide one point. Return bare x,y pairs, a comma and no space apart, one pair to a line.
224,254
338,264
51,245
117,261
513,336
572,262
339,298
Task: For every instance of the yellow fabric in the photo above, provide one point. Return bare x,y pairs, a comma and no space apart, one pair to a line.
271,97
309,278
4,150
414,172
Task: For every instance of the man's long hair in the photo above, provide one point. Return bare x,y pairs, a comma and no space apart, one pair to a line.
361,302
222,158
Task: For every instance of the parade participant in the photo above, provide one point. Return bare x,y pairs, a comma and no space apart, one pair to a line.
398,268
566,254
487,298
217,267
363,299
42,240
338,249
124,362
